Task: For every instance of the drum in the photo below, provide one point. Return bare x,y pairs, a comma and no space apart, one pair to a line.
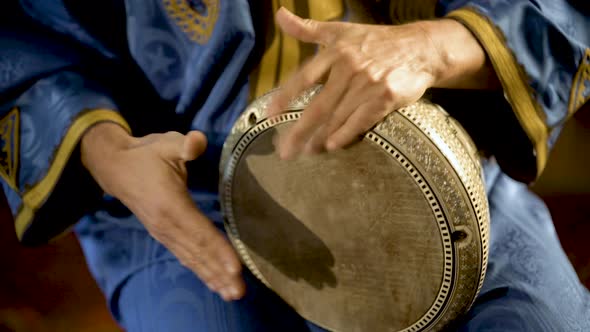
389,234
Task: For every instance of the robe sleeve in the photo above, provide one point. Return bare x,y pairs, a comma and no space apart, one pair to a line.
46,105
540,51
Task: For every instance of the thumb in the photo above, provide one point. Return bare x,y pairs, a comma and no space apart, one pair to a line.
306,30
194,145
178,147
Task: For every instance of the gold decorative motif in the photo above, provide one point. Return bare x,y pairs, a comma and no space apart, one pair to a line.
513,79
9,148
196,18
38,194
581,85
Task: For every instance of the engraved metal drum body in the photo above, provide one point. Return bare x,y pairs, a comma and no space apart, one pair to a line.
389,234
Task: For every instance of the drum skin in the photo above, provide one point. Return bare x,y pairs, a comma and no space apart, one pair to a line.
389,234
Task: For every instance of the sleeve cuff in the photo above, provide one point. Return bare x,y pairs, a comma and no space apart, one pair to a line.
36,196
513,79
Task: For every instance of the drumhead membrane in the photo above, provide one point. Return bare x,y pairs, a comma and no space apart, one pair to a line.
355,240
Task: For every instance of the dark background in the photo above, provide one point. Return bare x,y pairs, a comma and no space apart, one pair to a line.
49,288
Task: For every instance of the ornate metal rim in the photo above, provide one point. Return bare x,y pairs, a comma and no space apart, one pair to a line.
475,191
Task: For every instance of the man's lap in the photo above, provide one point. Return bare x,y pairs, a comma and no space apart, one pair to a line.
530,285
147,288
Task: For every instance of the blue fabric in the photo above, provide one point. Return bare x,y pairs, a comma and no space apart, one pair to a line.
547,37
200,76
530,284
550,41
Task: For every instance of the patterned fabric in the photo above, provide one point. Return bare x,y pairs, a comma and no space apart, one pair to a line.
187,64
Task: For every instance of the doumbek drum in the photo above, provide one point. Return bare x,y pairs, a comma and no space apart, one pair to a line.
389,234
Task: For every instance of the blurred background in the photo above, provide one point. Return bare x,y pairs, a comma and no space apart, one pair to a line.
49,288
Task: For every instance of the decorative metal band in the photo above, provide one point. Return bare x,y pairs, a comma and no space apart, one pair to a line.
443,226
461,156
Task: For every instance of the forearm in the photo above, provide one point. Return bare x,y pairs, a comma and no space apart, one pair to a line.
463,62
97,149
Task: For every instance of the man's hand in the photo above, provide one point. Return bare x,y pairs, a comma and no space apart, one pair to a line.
148,175
372,70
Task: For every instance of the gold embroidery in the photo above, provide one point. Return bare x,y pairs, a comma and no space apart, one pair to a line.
581,85
9,148
195,17
513,79
38,194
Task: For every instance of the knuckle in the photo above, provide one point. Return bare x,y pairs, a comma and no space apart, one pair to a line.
321,108
309,23
172,134
340,47
372,75
307,78
161,212
349,57
201,241
389,94
188,263
194,263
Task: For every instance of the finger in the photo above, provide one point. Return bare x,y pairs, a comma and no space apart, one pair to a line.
359,92
307,30
195,143
317,113
307,76
317,142
209,249
358,123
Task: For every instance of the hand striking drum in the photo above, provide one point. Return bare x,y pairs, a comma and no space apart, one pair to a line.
389,234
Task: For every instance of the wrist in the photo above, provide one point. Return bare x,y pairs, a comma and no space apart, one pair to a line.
100,144
461,61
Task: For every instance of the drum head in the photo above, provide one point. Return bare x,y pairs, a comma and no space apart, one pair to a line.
354,240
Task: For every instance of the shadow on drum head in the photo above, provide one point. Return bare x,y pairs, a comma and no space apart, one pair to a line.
272,232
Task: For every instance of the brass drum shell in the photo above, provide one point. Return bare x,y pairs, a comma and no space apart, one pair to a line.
418,270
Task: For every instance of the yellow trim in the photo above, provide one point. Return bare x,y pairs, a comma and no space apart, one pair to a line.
513,79
290,52
38,194
10,133
267,68
579,85
285,53
325,10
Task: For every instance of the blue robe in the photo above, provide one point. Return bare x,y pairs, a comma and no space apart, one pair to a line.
158,65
